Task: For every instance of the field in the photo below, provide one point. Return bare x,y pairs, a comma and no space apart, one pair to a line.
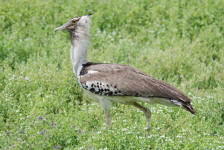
43,107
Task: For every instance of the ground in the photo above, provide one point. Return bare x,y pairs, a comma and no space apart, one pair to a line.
43,107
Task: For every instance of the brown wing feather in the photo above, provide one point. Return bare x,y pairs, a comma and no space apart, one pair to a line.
130,81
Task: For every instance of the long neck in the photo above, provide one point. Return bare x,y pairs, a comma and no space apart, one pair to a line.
80,44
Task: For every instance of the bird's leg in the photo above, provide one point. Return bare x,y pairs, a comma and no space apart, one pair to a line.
105,104
107,112
147,113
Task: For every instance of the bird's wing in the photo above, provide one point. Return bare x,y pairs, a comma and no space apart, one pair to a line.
115,80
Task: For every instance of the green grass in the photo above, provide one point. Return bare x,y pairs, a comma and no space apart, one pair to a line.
43,107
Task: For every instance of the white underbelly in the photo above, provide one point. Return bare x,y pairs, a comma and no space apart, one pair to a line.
129,99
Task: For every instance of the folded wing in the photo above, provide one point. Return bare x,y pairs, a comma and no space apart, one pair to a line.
125,80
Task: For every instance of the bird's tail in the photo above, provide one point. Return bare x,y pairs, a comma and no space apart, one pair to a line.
185,105
188,107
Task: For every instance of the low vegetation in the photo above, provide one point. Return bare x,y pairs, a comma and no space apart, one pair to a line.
43,107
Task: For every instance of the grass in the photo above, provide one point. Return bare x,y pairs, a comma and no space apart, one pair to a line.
43,107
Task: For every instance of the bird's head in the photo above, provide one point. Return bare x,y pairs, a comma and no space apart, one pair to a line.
75,23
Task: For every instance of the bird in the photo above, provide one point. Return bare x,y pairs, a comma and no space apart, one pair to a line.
109,83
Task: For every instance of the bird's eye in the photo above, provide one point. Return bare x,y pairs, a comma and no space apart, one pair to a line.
74,20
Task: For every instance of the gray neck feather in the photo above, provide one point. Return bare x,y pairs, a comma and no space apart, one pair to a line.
80,40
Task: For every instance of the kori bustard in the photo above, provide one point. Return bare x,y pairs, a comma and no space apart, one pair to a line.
107,83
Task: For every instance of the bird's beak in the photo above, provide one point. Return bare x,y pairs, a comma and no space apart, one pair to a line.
63,27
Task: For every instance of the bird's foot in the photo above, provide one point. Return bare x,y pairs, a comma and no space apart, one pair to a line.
148,133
